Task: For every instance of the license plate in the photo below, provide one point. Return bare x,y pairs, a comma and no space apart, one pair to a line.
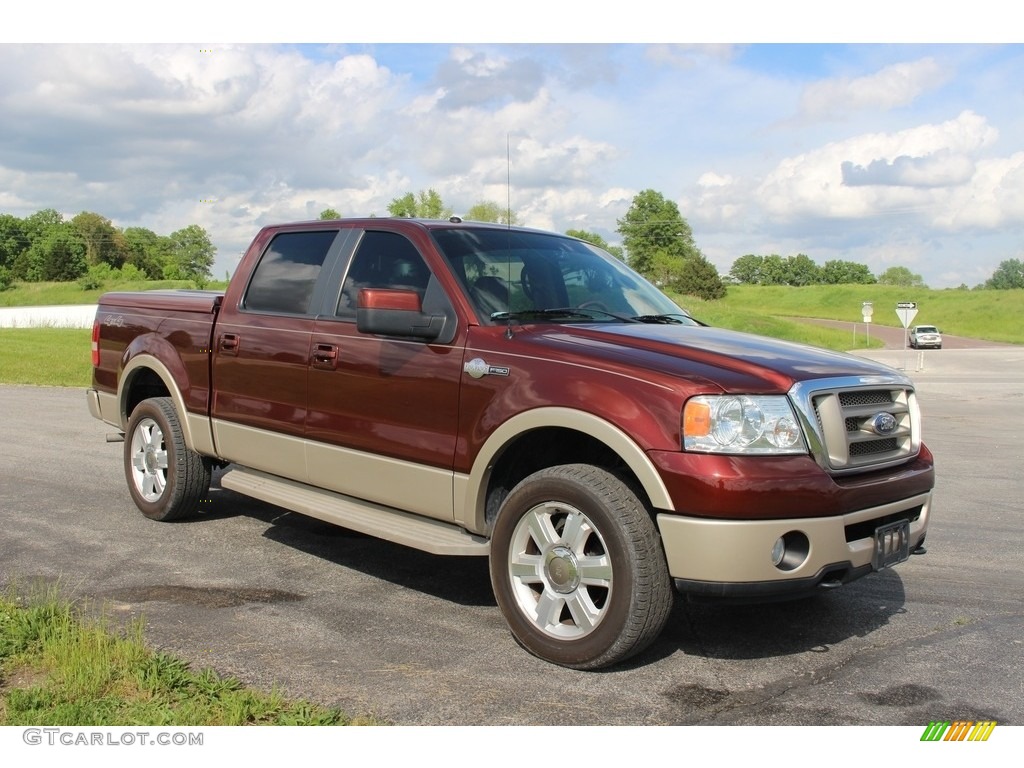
892,544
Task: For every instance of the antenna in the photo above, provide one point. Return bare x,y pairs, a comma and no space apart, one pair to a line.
508,225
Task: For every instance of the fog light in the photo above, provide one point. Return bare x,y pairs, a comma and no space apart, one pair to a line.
790,551
778,551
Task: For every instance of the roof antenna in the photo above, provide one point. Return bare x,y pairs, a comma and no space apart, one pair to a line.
508,180
508,224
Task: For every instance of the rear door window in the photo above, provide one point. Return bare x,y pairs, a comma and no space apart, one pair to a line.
286,276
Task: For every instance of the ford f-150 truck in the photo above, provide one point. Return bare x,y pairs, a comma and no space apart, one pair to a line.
474,389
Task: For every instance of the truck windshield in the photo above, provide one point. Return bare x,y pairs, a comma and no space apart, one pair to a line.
540,277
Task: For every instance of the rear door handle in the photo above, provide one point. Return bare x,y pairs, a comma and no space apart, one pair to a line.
229,343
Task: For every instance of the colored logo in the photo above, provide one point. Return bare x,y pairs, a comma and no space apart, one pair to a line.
883,423
959,730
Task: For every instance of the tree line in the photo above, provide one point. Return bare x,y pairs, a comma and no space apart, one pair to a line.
656,241
801,270
89,248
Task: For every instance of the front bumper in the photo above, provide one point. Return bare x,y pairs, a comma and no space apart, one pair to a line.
732,558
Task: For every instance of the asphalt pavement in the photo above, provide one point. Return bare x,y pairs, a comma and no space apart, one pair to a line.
374,628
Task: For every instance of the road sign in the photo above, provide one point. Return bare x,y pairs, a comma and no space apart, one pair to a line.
906,311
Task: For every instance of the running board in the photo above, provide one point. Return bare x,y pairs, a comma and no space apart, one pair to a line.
386,523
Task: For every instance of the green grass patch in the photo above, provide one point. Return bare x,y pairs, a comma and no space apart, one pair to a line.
58,668
738,317
991,315
60,356
61,294
55,357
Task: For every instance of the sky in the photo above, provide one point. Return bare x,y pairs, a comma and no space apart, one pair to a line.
862,136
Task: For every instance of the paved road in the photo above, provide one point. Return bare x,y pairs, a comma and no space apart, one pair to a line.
278,599
894,338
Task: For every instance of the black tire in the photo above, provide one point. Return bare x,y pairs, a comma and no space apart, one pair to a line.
166,479
577,568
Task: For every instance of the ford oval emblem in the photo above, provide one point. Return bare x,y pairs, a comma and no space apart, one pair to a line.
883,423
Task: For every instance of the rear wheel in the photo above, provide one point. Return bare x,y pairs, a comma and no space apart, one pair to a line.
577,568
165,478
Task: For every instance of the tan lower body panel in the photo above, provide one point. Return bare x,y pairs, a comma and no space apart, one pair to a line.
376,520
739,551
382,480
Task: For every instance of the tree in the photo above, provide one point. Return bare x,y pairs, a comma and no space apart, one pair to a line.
41,221
801,270
13,239
146,251
426,205
44,247
747,269
595,239
104,244
659,245
901,276
488,210
329,213
839,272
191,255
773,270
56,254
698,277
1009,274
654,225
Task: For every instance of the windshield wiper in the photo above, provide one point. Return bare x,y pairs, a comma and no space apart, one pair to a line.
676,318
555,313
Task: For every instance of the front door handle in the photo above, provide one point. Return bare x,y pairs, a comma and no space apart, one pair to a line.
325,356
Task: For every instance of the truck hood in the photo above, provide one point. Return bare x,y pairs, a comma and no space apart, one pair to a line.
725,359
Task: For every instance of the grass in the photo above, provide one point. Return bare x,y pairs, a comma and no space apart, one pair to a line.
60,356
61,294
58,668
54,357
991,315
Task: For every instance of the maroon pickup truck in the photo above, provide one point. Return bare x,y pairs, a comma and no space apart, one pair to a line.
471,389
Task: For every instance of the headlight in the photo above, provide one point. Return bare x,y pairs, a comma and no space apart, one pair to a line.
744,424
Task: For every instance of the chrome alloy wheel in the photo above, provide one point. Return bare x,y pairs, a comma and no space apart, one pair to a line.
149,460
560,570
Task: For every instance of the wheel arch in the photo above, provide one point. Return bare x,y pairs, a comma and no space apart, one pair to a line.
145,376
528,441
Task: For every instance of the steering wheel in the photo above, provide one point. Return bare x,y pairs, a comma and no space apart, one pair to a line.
594,304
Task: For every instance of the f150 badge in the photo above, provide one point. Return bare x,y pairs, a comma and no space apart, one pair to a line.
478,368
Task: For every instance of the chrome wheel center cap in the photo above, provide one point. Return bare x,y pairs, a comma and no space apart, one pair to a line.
150,459
561,570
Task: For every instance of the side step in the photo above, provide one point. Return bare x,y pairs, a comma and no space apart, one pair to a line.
386,523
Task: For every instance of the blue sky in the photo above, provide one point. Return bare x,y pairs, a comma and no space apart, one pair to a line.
895,152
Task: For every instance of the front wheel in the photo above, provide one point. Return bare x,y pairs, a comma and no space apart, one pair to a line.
577,568
165,478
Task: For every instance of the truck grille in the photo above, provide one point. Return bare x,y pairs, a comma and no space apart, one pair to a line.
856,426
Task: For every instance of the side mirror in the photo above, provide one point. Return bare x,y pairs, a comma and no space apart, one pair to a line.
392,312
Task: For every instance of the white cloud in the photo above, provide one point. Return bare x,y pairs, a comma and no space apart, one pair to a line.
896,85
916,170
144,134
